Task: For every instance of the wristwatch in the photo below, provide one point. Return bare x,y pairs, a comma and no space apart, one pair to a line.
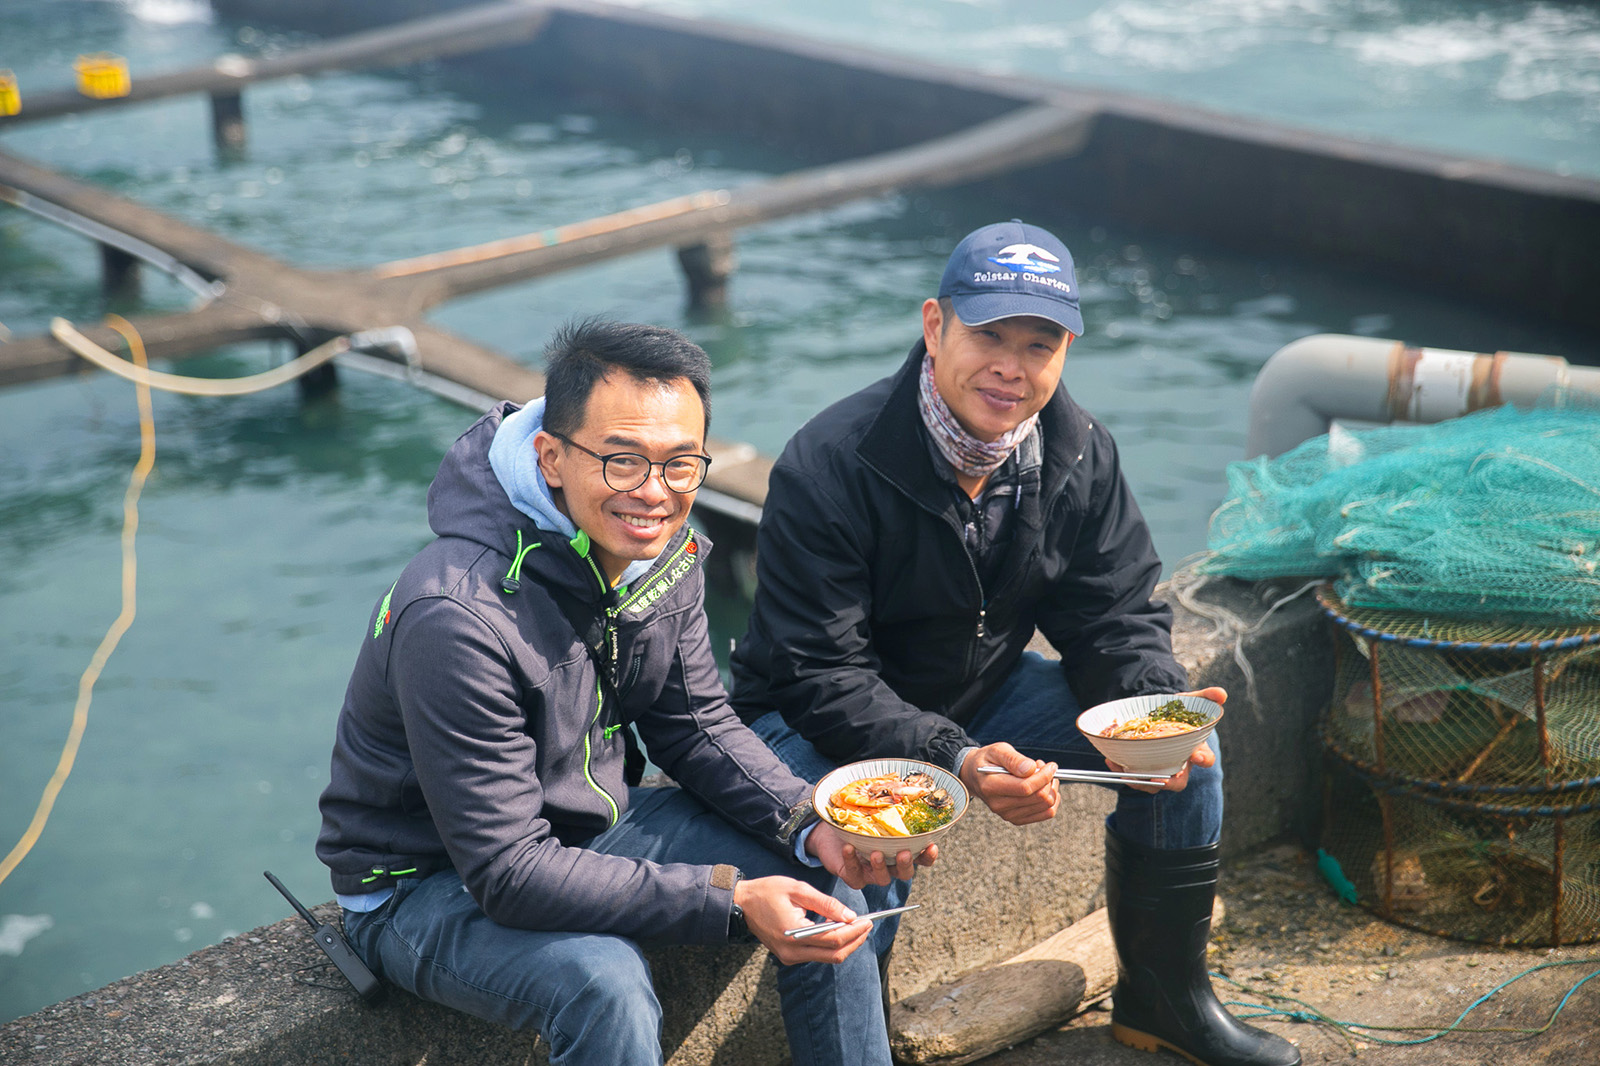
738,930
801,815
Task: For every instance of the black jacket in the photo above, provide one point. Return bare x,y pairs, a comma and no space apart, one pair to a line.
871,632
476,732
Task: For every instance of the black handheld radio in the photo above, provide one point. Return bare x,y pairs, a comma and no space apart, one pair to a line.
333,944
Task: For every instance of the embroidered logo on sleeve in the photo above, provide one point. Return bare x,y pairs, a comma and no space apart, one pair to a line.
383,613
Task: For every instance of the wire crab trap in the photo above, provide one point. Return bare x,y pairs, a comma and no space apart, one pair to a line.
1463,774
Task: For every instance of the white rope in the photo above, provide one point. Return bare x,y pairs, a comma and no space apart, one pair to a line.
63,331
1185,584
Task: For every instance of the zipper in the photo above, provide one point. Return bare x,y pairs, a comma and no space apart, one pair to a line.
611,612
594,567
606,730
980,624
983,611
599,707
978,632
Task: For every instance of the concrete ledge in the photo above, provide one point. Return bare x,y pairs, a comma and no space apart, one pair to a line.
1269,734
997,890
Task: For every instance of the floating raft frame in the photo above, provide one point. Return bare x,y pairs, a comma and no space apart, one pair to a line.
866,124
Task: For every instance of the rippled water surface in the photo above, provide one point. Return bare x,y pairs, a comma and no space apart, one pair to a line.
1519,81
270,525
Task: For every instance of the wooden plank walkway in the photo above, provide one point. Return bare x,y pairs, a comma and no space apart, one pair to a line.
252,296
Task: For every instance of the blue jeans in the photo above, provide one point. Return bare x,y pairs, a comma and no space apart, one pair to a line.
590,994
1036,713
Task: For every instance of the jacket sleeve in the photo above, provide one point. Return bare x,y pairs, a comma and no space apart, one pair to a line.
1114,638
464,711
814,602
695,737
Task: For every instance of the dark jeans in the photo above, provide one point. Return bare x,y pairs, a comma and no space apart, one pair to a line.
590,994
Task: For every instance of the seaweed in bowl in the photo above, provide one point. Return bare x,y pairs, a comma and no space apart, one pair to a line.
1161,746
1168,720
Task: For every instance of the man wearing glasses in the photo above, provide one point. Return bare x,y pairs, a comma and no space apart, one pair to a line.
486,834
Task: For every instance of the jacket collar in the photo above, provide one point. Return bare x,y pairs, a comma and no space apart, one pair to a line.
567,565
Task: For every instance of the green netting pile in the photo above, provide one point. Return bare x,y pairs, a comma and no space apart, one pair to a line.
1493,515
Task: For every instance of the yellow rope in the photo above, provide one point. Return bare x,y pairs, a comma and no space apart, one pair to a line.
130,526
63,331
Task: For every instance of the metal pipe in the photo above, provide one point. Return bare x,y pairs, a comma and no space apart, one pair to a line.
1312,381
207,289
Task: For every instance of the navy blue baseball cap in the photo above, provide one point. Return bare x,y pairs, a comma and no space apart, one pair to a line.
1010,269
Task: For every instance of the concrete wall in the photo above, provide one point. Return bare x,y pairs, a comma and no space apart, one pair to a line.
996,890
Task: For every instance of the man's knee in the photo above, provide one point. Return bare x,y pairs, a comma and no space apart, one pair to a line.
604,996
612,969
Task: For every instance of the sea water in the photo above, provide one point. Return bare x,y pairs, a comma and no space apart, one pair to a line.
271,525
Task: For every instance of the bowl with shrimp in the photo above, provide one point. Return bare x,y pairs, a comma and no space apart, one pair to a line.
1151,734
890,805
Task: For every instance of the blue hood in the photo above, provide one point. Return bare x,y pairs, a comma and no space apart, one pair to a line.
516,466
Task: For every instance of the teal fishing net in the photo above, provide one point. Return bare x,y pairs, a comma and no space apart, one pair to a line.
1494,515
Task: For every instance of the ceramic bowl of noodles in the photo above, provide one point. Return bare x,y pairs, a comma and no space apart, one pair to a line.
1151,734
890,805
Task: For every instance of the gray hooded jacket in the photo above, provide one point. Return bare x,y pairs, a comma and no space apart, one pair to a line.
477,733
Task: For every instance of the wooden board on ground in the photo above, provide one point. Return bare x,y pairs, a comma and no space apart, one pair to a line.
991,1009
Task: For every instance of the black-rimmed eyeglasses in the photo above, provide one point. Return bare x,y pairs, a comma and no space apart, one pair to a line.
626,471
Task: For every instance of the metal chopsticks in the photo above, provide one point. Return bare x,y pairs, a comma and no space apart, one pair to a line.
823,927
1097,777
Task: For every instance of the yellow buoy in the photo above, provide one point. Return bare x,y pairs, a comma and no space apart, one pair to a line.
10,96
102,75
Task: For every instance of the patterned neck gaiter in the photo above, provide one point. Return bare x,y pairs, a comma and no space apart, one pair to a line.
968,454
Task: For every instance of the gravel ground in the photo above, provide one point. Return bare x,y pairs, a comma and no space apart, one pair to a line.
1287,934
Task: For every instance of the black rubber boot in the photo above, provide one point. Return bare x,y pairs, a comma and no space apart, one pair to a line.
1159,903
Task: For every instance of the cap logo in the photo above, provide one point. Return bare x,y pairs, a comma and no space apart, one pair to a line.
1029,257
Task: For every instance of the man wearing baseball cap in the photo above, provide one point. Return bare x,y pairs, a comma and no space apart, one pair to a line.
914,536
